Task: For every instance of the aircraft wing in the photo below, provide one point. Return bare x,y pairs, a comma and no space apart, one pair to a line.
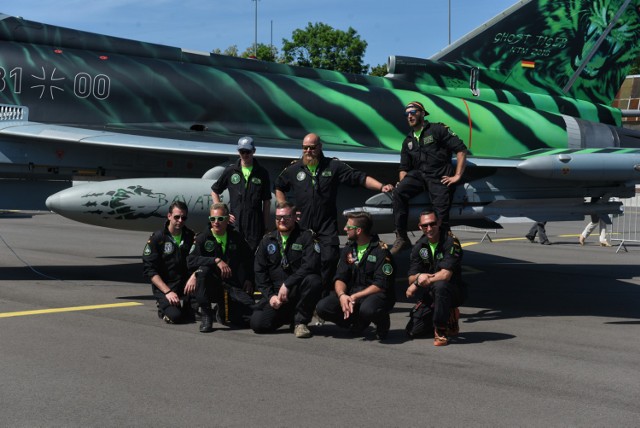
218,145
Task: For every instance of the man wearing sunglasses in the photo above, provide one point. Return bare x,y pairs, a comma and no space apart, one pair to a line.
313,182
223,266
425,164
249,193
364,281
165,264
287,269
436,266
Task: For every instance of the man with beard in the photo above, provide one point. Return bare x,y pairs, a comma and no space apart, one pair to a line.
313,181
287,268
222,261
364,282
436,265
249,193
165,264
425,163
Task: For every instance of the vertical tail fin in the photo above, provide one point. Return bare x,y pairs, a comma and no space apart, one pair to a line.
577,48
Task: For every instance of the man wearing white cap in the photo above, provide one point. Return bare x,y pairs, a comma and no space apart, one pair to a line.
249,193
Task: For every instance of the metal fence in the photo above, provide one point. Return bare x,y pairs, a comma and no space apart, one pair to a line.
626,226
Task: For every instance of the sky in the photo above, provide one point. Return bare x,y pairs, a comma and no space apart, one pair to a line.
409,28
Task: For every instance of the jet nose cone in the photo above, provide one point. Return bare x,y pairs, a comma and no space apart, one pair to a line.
53,202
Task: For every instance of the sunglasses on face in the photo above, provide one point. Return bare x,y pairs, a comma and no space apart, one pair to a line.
283,217
218,218
244,152
351,227
411,112
305,148
430,224
178,217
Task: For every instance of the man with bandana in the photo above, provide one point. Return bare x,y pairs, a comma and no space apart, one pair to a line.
249,193
222,262
364,282
313,182
436,266
165,264
287,269
425,164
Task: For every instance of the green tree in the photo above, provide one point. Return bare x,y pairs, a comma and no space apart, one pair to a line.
265,53
230,51
321,46
379,70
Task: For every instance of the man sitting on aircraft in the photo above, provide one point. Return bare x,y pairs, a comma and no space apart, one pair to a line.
436,266
165,264
425,163
314,182
249,193
287,268
223,265
364,282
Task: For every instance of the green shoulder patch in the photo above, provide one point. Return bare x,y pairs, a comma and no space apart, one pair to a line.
387,269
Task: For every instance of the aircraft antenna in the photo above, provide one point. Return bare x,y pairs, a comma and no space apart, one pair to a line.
255,32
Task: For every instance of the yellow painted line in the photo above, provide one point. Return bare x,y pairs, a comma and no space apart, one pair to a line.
70,309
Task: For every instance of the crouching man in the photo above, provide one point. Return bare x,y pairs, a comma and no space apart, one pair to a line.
222,262
364,281
165,265
287,272
436,267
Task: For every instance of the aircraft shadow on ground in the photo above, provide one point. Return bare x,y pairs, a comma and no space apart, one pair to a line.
511,288
125,272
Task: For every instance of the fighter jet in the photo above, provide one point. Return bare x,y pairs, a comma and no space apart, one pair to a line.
529,92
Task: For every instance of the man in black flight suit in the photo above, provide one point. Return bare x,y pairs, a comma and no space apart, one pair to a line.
165,265
364,282
223,266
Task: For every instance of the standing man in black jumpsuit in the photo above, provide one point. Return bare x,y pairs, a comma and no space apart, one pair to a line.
425,164
165,264
314,182
287,268
364,282
249,193
223,265
436,265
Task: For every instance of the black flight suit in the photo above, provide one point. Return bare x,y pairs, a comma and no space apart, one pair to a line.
234,302
375,268
315,198
426,160
162,256
297,266
246,199
448,255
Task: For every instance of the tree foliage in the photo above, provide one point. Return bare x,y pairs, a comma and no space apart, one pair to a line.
321,46
379,70
265,53
230,51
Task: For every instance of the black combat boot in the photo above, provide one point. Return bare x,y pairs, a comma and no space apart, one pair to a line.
402,241
206,323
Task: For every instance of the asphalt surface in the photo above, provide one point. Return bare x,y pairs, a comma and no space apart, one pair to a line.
549,337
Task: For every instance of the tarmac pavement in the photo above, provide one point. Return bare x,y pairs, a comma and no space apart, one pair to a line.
549,337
